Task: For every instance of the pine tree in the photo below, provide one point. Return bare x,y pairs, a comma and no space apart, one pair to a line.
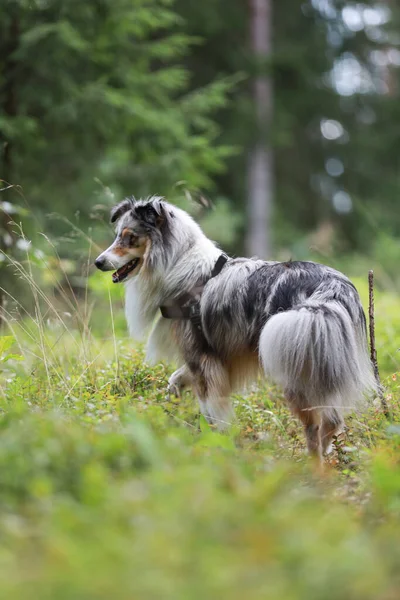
96,91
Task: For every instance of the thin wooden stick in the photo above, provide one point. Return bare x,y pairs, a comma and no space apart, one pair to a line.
374,358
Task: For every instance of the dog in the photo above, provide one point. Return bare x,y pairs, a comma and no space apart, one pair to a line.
226,320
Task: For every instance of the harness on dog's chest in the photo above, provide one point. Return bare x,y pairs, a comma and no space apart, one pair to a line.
187,306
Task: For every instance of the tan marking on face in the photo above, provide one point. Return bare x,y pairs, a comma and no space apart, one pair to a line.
139,251
130,240
128,237
120,250
146,249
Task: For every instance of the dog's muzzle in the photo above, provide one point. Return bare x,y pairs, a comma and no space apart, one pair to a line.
101,264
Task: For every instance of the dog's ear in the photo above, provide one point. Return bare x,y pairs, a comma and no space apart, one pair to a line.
120,209
150,213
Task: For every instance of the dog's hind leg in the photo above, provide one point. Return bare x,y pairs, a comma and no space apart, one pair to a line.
332,424
179,380
311,420
212,387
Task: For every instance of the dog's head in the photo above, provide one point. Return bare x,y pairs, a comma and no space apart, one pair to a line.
137,224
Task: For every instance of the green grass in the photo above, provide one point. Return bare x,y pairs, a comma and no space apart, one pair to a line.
108,489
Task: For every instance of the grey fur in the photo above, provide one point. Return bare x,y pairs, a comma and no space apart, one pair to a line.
300,322
313,350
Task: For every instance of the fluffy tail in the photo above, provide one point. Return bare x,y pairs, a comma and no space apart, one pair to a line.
316,352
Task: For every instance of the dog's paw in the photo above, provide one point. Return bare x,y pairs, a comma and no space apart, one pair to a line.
178,382
173,389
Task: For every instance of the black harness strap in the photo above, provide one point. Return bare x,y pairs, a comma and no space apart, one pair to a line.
187,306
219,265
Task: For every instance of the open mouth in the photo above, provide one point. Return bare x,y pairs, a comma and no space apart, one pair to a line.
124,271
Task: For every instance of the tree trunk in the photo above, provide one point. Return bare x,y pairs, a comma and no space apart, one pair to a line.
260,179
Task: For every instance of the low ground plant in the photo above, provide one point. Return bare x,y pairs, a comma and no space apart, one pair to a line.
110,489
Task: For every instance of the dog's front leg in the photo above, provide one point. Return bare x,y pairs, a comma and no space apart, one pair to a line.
179,380
212,387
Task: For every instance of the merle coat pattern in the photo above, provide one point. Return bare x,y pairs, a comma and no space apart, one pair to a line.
299,323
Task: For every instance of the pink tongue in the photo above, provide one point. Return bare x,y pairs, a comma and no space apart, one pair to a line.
118,274
123,271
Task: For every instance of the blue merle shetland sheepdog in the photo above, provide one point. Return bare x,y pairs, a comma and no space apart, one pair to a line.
227,320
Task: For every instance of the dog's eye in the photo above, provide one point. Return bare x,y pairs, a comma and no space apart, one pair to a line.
132,239
129,237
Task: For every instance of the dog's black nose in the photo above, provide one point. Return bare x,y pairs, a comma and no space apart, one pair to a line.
100,262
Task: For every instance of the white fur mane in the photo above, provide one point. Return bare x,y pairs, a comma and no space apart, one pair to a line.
187,256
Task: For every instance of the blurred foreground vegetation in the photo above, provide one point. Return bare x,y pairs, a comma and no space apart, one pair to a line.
110,489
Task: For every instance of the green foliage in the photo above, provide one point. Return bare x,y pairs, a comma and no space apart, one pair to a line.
110,488
387,323
98,92
6,343
144,504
